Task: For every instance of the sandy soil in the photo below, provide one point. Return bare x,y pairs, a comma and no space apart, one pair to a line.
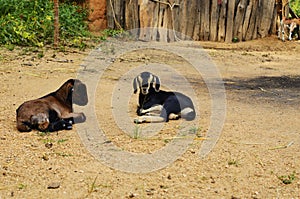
257,155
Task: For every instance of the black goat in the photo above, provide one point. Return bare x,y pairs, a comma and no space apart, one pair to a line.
159,106
54,111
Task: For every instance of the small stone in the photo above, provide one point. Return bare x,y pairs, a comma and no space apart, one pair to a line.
53,185
132,195
27,64
48,145
45,157
169,177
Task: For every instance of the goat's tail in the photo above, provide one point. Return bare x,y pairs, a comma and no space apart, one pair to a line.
188,114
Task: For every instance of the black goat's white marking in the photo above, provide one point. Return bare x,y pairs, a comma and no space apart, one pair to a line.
160,106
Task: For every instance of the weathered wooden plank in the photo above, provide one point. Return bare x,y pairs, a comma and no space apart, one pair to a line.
144,20
257,21
273,28
247,19
222,21
266,16
163,29
252,28
201,12
229,21
154,23
206,20
196,33
239,19
119,13
184,18
190,21
214,17
131,14
177,15
109,15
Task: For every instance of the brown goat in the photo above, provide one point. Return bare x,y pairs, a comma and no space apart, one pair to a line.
54,111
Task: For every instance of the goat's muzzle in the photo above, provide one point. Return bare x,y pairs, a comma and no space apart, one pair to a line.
145,90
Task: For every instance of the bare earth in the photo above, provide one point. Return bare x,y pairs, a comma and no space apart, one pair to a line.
257,155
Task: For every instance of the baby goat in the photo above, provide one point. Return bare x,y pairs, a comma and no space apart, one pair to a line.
291,24
54,111
159,106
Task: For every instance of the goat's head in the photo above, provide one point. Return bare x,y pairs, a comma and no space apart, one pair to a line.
75,92
145,81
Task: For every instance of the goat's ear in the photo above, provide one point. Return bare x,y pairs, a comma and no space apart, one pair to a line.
156,83
135,85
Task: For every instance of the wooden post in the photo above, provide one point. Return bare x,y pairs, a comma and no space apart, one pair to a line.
229,24
214,18
222,18
206,20
131,14
56,23
252,23
266,17
239,20
247,19
196,33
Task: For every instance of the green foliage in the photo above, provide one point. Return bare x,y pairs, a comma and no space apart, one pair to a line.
287,179
30,23
295,5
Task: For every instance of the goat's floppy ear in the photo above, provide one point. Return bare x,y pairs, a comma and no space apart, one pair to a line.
156,82
135,85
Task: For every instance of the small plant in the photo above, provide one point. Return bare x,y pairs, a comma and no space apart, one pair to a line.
111,32
21,186
233,162
287,179
47,140
61,141
42,134
196,131
40,55
167,140
136,131
93,186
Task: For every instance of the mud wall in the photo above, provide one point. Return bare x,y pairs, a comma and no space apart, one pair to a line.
97,17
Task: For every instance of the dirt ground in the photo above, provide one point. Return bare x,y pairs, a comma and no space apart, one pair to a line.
257,154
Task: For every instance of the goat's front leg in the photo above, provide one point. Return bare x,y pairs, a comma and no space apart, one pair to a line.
61,124
74,117
292,28
282,33
148,119
281,29
154,109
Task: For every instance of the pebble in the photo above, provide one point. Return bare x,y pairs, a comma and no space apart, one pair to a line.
48,145
53,185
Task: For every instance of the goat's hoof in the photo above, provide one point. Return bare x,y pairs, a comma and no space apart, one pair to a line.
67,125
139,112
137,121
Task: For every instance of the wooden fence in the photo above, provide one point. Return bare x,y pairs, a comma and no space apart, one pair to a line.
208,20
